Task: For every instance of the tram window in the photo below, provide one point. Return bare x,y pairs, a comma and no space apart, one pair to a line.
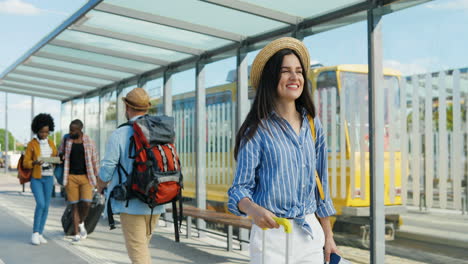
326,87
355,87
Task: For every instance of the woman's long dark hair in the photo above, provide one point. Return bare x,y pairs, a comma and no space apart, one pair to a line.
267,93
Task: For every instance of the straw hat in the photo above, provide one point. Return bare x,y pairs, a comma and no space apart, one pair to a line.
137,99
269,50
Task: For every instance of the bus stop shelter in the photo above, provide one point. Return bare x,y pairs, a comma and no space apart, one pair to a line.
108,45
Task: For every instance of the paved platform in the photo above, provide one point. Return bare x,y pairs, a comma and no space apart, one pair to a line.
105,246
448,227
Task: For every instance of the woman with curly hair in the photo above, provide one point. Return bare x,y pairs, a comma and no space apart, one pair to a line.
42,180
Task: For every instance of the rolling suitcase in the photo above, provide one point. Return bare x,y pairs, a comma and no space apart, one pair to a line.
287,229
95,212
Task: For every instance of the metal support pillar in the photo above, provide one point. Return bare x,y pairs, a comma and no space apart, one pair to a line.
142,82
244,236
33,104
189,227
6,133
200,142
243,104
167,93
376,126
229,238
167,106
119,104
101,154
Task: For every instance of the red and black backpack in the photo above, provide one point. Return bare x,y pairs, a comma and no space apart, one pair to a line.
156,176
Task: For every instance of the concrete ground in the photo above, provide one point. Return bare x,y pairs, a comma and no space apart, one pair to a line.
105,246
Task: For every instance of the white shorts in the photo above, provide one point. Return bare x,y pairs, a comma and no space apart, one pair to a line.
302,247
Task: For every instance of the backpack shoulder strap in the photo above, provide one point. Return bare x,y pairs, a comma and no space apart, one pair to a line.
125,124
314,138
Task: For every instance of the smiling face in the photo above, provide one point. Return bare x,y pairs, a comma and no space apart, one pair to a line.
291,79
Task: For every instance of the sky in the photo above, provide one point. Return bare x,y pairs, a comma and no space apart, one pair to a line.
426,38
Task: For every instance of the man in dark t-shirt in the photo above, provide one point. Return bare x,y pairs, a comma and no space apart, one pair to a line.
80,171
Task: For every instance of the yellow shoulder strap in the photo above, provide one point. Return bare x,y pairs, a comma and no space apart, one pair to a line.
317,178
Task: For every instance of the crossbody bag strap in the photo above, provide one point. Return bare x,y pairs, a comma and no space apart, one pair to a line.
317,177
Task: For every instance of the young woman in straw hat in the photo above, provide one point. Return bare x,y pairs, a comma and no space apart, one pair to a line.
277,158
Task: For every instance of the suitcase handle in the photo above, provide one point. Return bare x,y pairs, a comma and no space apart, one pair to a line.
287,229
284,222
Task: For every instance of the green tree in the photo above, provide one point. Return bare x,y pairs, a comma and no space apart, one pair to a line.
435,118
11,140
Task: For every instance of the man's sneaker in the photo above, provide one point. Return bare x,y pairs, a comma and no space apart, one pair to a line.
76,239
35,239
83,232
42,239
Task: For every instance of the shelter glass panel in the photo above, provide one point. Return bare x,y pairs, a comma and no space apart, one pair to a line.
46,89
348,165
96,57
79,67
152,31
226,19
155,89
66,116
63,74
78,109
303,8
91,126
121,46
121,105
220,130
431,56
108,118
52,82
183,110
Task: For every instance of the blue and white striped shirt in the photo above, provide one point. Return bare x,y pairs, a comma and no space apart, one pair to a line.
275,169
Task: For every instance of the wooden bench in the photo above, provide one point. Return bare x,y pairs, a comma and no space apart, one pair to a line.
216,217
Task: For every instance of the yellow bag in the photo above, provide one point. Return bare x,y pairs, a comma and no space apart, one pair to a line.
317,178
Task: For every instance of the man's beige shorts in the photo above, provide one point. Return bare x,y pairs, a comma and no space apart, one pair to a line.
79,189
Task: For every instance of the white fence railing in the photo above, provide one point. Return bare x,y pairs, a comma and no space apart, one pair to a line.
438,139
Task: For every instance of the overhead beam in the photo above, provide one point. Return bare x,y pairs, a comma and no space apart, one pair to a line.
108,52
170,22
71,71
257,11
19,91
57,78
107,66
38,89
45,84
137,39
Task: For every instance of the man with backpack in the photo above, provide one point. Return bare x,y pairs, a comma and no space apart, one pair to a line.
137,219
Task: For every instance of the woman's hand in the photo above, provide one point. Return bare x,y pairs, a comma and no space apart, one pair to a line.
261,216
38,162
330,247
